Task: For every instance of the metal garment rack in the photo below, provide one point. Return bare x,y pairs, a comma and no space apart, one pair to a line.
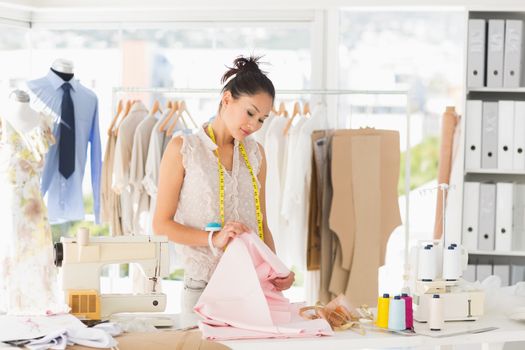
318,92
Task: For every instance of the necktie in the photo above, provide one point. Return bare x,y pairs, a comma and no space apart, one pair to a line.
66,154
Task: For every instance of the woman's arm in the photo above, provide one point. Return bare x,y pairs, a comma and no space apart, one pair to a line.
170,182
268,238
171,178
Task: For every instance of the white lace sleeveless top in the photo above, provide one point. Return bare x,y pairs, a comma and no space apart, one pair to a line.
199,195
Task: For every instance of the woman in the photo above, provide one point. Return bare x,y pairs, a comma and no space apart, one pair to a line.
219,155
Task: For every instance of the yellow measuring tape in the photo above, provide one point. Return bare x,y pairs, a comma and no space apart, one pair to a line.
258,211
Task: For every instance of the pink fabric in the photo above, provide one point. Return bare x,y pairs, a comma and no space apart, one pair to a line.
240,302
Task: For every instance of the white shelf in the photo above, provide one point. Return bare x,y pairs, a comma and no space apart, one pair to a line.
497,253
496,171
487,89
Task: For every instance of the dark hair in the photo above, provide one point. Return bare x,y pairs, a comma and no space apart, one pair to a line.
248,80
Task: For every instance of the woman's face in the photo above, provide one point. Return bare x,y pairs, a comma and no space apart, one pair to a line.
246,114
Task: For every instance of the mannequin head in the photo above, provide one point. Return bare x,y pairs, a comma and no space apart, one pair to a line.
247,97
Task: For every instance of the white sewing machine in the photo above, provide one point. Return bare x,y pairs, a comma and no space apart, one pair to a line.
81,260
459,302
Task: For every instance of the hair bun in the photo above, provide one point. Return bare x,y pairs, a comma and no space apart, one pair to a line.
242,65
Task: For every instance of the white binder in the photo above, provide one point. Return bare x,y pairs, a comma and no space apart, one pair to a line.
495,44
504,194
487,216
473,135
470,215
513,53
505,134
518,230
518,159
517,274
483,271
489,137
476,52
503,272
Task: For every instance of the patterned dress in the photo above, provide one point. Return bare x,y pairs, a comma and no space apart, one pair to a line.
28,277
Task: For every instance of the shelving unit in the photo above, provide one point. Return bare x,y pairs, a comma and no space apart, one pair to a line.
516,256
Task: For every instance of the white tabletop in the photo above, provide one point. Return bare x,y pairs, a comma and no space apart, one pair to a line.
508,331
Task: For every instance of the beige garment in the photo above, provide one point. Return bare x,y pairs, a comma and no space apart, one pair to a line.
362,280
448,127
110,201
121,166
162,340
139,153
343,207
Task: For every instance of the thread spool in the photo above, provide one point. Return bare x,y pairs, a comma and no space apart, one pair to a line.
396,315
83,236
435,320
409,313
383,308
452,261
427,264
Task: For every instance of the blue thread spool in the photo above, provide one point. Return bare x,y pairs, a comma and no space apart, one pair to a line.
396,314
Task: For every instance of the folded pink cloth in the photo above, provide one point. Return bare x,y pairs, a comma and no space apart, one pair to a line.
240,302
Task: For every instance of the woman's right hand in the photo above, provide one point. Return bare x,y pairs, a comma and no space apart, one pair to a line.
230,230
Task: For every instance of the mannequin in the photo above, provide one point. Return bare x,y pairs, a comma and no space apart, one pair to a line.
21,117
63,68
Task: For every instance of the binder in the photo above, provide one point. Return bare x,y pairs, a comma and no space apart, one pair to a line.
513,53
495,44
489,137
503,272
483,271
505,134
518,230
477,31
504,203
470,273
518,159
487,216
470,215
517,274
473,135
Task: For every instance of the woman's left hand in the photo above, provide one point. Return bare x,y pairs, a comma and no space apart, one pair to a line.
283,283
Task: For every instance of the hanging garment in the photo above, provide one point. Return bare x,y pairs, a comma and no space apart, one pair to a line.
240,302
274,150
322,143
64,196
122,163
199,195
110,210
28,277
139,154
351,209
448,127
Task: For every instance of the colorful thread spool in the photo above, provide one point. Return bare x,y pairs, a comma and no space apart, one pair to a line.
409,314
396,315
383,306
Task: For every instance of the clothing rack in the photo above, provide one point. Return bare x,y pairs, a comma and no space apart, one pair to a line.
319,92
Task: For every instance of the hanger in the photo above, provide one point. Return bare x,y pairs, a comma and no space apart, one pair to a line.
306,109
129,103
155,108
295,113
119,109
282,110
182,109
174,108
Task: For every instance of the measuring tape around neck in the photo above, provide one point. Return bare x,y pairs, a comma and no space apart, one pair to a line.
258,211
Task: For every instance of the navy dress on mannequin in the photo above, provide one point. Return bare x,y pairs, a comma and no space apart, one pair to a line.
74,108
